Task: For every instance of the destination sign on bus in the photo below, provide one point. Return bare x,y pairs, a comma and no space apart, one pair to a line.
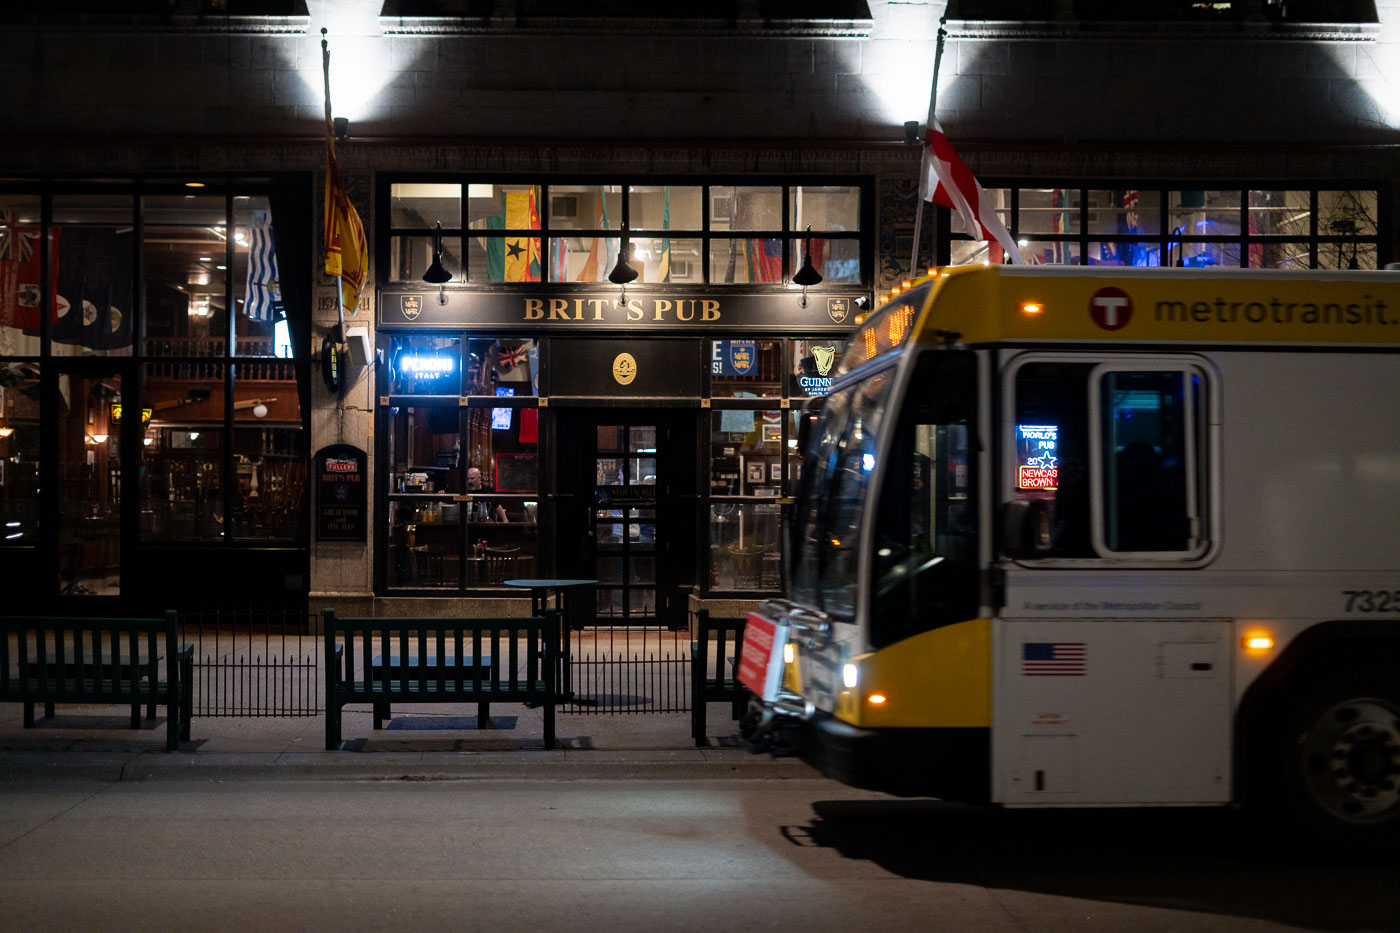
1037,456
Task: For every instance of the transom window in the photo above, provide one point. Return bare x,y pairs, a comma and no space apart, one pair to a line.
1273,227
507,231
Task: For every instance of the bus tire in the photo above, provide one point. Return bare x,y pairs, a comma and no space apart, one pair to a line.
1335,781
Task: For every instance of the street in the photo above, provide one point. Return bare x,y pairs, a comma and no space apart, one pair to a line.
707,854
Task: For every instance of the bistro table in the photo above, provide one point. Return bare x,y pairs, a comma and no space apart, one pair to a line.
539,602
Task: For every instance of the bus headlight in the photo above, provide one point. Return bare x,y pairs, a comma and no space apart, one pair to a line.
850,676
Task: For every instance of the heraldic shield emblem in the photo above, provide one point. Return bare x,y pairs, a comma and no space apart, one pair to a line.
741,356
823,357
838,308
411,306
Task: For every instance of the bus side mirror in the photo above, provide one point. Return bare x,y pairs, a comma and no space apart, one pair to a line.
1025,528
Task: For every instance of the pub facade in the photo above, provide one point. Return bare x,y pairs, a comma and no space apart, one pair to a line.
612,254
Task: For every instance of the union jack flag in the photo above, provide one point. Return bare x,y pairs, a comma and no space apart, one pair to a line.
514,356
16,243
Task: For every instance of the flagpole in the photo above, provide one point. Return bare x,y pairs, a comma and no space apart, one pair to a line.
924,151
330,150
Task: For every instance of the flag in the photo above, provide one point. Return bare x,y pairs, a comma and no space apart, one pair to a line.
664,273
346,251
1059,221
1053,658
19,272
93,290
520,256
261,290
953,186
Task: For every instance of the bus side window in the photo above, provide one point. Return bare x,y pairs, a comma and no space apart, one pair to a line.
1049,458
1146,421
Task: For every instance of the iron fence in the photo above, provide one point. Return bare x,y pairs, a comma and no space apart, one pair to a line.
629,669
254,661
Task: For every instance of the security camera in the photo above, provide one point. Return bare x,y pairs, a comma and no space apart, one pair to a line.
862,302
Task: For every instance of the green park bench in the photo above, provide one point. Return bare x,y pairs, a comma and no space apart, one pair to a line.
99,661
714,653
440,661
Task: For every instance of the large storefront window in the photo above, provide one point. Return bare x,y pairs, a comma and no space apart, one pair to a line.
463,502
1179,226
156,362
497,231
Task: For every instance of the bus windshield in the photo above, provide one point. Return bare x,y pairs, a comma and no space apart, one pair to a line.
837,473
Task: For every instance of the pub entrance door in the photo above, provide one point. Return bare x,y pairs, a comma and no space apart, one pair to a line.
628,499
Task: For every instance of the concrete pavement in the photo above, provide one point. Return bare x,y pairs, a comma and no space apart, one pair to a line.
420,743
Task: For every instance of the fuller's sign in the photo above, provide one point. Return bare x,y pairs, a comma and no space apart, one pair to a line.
604,310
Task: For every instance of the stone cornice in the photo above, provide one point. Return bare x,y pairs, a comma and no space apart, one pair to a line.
1078,30
174,24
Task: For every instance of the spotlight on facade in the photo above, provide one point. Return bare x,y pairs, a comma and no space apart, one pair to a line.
911,132
342,128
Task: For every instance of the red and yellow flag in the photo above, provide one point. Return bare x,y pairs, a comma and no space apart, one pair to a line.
347,251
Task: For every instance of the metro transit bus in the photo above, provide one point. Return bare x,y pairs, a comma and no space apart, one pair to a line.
1072,537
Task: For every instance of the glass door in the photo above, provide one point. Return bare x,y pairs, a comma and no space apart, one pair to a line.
627,511
89,484
624,523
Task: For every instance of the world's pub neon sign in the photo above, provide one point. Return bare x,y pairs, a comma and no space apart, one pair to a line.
1037,456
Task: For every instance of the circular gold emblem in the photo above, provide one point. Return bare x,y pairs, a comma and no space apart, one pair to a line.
624,369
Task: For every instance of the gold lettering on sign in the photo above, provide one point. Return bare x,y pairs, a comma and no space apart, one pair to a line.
634,310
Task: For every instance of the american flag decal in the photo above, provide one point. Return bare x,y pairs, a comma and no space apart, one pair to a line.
1053,658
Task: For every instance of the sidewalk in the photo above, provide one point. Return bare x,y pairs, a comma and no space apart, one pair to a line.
420,743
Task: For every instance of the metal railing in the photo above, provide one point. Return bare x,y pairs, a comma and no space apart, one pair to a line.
629,669
254,661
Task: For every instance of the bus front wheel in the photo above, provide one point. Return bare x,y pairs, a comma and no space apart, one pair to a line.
1340,757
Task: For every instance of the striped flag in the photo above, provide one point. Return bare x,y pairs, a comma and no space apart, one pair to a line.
261,290
1053,658
664,274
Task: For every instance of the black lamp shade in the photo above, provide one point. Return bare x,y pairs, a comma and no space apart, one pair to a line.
436,274
622,273
806,276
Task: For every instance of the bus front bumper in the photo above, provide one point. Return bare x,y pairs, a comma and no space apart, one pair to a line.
953,764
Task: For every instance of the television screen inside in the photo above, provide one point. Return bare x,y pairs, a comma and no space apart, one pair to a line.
500,417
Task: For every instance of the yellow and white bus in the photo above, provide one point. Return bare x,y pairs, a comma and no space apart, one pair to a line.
1071,537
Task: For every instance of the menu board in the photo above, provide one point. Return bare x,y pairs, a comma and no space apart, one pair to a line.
342,486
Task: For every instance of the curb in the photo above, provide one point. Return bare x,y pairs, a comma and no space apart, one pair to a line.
552,766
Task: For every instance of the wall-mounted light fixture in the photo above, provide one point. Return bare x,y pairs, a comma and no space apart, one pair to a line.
342,128
97,438
623,273
437,274
806,276
911,132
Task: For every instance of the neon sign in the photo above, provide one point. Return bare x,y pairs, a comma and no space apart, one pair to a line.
427,367
1037,456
